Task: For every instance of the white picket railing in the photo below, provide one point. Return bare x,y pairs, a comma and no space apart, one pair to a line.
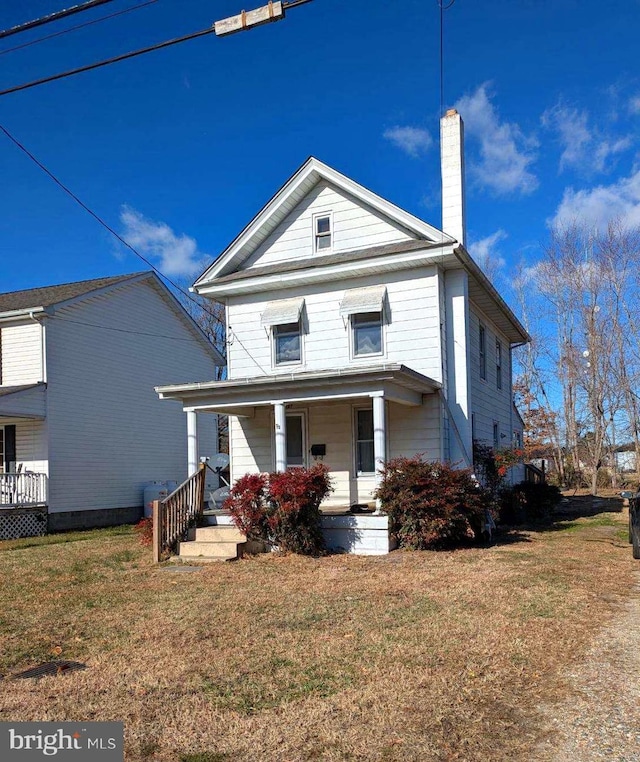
23,490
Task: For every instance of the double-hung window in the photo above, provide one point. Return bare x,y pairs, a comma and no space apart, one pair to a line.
323,232
283,320
286,344
366,331
498,365
363,311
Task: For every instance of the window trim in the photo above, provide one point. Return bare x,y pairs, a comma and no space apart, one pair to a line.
315,235
482,351
357,409
498,364
496,435
274,356
352,336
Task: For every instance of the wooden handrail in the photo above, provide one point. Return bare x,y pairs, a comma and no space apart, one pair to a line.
177,513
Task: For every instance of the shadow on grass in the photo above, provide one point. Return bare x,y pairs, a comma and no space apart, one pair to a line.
602,511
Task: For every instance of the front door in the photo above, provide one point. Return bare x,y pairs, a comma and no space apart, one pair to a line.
296,440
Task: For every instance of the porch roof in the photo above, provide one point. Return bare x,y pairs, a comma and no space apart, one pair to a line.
26,401
237,397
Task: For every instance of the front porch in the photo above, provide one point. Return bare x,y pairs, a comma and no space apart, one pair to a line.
353,420
23,461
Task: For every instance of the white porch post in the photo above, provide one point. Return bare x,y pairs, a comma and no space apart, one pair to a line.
281,436
192,442
379,440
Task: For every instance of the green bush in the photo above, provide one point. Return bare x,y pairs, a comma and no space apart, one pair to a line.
532,502
431,504
282,509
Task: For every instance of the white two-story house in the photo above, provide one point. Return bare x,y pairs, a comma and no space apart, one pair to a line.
357,333
81,428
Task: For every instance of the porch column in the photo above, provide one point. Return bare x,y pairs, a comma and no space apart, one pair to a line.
379,439
281,436
192,442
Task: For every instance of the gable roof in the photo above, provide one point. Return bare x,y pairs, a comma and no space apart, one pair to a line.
289,195
47,296
46,299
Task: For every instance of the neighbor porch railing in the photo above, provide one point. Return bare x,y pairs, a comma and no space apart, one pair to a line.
534,474
23,490
173,516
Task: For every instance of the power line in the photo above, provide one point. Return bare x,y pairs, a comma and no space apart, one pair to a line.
104,224
121,330
106,62
76,27
258,15
53,17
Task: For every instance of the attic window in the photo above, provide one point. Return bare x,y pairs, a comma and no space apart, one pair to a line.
323,232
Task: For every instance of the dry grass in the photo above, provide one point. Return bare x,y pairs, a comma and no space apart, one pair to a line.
413,656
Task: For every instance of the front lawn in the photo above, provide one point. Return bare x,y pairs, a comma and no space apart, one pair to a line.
415,655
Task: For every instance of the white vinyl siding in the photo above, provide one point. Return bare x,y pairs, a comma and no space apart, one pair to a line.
410,431
21,348
31,445
354,226
411,332
108,431
489,404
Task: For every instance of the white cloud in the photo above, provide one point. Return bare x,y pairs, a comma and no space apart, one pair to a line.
174,255
598,206
412,140
486,252
506,154
585,148
634,104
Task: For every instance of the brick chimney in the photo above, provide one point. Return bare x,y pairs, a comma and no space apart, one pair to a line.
452,168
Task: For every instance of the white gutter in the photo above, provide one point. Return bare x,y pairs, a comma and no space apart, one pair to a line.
10,315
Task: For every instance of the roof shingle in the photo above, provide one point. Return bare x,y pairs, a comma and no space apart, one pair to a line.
50,295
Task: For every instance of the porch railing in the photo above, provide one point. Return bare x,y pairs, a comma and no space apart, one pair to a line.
534,474
23,490
173,516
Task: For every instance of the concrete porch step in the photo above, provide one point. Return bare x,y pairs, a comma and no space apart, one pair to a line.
217,534
199,550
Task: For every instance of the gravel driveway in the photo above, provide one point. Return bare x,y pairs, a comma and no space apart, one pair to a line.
600,719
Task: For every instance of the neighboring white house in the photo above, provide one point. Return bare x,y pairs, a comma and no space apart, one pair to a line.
81,428
357,333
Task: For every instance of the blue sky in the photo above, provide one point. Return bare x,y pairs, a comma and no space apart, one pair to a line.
178,149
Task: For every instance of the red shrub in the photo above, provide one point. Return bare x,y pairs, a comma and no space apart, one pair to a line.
144,528
247,505
431,504
283,508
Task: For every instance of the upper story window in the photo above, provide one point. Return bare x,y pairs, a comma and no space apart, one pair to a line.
498,365
482,352
323,232
287,345
366,334
363,311
283,320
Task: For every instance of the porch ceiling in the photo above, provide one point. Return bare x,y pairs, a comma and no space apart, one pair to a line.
238,397
27,401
